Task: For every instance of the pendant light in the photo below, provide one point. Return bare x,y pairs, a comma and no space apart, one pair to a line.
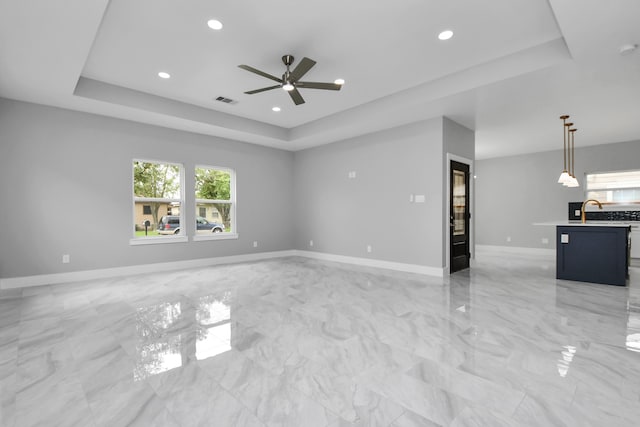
574,181
568,180
564,176
568,177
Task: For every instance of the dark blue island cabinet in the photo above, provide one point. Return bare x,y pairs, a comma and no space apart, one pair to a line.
589,253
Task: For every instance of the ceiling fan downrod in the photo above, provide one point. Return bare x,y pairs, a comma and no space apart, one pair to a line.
286,77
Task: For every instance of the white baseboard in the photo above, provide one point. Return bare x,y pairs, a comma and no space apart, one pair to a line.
515,250
80,276
367,262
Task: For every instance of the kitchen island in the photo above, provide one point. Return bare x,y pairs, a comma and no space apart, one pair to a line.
593,252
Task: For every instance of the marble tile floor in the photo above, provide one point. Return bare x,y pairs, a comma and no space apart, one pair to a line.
298,342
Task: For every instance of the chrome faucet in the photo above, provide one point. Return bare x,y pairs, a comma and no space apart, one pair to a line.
582,214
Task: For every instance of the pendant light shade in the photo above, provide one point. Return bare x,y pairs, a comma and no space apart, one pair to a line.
564,177
574,181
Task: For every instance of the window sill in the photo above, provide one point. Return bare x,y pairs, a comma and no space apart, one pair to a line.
215,236
158,240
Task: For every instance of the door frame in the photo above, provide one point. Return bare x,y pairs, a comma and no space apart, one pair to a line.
447,198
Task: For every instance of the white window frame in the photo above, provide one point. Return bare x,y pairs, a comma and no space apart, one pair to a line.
181,237
608,188
233,234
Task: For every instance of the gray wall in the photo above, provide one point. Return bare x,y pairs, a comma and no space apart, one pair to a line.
458,139
514,192
65,180
65,183
342,215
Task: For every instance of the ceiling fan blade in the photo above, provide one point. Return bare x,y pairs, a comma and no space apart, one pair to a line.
316,85
260,73
302,68
297,98
251,92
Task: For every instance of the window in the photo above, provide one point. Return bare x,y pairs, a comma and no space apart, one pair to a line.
157,198
215,201
614,187
459,202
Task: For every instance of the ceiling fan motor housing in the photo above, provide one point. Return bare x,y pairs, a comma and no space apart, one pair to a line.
288,60
290,80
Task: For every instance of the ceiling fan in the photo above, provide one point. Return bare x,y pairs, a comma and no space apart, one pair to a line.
290,80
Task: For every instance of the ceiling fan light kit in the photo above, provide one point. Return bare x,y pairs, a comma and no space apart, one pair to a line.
290,80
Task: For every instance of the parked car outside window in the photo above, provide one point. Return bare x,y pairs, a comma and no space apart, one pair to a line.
170,224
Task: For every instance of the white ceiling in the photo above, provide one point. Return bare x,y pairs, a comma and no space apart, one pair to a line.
510,70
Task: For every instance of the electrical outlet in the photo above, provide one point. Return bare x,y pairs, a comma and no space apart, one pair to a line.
545,241
310,242
508,238
369,248
352,174
255,244
66,259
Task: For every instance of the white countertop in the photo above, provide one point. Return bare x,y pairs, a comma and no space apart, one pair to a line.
635,224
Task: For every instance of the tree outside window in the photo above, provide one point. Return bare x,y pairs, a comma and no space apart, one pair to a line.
214,192
156,191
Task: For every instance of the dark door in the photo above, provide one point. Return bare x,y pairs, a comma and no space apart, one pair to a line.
459,220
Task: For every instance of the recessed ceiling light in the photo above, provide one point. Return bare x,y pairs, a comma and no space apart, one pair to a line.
276,109
214,24
339,81
445,35
164,75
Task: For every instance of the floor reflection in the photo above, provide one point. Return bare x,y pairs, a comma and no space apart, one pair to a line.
213,341
633,328
155,319
564,363
604,307
323,344
157,357
214,325
170,333
214,308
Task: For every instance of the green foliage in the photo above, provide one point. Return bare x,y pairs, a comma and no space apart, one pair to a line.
212,184
157,180
150,232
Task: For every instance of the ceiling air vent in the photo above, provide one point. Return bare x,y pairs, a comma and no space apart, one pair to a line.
226,100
